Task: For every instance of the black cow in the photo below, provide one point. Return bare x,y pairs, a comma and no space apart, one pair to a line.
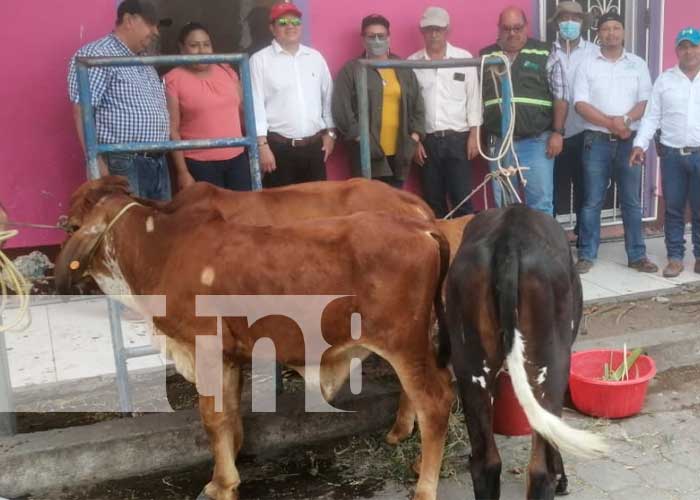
514,301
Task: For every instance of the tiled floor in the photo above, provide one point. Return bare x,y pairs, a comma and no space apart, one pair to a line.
72,341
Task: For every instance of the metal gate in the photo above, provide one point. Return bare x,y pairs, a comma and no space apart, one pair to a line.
643,28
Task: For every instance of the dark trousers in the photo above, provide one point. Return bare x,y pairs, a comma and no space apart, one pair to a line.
233,173
148,176
393,180
446,173
296,164
568,172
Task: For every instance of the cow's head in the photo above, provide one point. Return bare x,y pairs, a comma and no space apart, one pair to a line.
88,218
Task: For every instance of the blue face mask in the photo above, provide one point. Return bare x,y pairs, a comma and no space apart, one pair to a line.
570,30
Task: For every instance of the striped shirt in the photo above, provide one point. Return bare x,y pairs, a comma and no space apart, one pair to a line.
129,101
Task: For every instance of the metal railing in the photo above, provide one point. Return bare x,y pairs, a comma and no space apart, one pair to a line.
363,97
92,149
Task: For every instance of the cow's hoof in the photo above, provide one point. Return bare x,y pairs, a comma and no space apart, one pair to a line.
204,496
562,487
229,495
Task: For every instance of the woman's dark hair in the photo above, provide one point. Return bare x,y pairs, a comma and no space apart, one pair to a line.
374,19
189,28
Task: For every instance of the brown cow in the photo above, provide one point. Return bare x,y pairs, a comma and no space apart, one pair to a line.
390,267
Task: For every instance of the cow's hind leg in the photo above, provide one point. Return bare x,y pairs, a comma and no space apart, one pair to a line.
405,420
225,430
557,464
484,460
431,395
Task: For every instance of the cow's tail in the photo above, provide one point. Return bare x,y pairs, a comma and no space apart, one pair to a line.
548,425
443,354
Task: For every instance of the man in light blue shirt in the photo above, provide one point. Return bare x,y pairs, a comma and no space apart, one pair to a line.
674,107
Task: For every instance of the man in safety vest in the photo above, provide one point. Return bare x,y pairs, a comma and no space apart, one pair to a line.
540,97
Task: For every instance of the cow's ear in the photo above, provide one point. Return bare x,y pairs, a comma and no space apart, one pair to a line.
73,261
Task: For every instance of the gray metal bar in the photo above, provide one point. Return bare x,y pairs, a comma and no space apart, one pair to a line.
249,117
87,114
8,421
363,109
171,60
133,147
120,358
443,63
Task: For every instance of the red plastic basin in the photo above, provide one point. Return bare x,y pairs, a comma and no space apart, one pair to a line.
508,416
600,398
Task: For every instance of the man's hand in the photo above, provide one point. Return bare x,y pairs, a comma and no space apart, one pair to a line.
618,127
267,159
555,144
472,146
184,179
637,157
420,155
328,146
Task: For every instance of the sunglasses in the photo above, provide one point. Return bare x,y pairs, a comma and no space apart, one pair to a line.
288,21
518,28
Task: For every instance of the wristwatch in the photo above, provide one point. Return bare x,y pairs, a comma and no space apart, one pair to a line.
627,120
331,133
561,131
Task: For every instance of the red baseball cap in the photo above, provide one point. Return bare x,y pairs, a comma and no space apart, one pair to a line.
280,9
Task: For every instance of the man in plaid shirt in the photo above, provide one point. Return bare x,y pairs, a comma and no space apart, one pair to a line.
129,101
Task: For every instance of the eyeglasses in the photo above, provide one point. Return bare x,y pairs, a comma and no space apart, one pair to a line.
376,36
518,28
288,21
433,29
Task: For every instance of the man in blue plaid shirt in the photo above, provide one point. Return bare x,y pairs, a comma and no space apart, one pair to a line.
129,101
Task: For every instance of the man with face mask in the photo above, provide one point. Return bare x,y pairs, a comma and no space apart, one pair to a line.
570,49
674,107
539,95
129,101
396,111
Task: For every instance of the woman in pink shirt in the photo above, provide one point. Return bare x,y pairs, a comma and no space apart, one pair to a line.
204,103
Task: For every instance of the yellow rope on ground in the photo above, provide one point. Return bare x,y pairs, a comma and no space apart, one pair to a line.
17,282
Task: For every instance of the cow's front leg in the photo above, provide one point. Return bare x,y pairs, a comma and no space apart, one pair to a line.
225,431
405,420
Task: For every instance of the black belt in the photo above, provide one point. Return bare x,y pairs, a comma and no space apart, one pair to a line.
444,133
610,137
295,143
687,151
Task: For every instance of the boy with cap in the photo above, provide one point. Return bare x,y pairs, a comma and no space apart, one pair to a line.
452,115
611,90
292,90
129,101
570,49
674,107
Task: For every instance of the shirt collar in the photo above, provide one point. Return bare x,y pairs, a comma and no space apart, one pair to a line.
582,44
450,53
625,55
121,44
678,71
277,48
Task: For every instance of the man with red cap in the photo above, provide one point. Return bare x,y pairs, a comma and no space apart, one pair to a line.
292,90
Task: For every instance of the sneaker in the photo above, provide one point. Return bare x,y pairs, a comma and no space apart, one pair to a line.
583,266
644,265
673,269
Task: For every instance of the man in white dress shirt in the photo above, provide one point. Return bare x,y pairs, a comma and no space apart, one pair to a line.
674,107
292,89
611,90
453,113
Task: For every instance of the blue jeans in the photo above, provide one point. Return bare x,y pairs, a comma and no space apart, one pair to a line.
148,177
604,160
446,173
532,153
680,180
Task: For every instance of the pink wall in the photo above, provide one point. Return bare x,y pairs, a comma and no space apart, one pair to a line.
677,15
41,159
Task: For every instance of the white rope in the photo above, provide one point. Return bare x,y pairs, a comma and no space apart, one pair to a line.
17,282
